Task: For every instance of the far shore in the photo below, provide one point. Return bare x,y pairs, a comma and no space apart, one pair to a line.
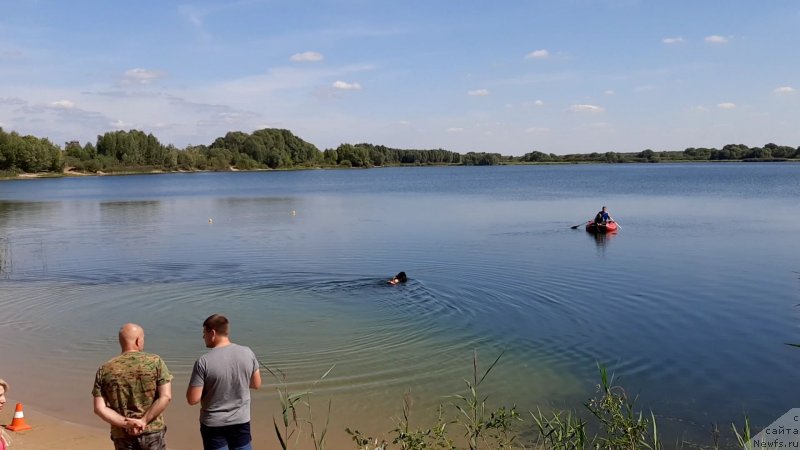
70,172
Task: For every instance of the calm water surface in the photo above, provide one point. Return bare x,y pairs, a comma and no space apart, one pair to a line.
690,304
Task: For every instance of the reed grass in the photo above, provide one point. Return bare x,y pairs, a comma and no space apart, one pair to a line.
745,436
293,419
466,423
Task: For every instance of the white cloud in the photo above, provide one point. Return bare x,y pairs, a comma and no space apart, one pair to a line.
196,14
345,86
404,122
726,105
141,76
600,126
716,39
478,92
699,108
455,130
609,92
527,104
536,78
11,54
673,40
489,124
119,124
193,15
283,79
784,90
13,101
307,57
537,130
538,54
233,116
62,104
586,109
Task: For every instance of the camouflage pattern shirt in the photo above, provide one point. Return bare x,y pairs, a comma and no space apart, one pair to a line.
129,384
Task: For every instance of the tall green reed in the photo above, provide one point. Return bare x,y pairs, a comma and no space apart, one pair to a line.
290,430
612,413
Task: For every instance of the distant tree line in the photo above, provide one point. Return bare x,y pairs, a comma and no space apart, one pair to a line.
135,150
369,155
131,151
730,152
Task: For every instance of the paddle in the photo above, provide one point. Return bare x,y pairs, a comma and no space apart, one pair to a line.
574,227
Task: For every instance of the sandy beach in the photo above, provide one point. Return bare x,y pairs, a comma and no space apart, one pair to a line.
50,433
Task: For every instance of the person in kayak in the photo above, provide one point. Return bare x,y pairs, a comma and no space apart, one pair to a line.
399,278
603,217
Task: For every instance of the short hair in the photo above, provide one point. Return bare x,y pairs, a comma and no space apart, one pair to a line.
4,385
218,323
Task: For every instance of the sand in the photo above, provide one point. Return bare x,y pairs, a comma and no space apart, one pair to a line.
50,433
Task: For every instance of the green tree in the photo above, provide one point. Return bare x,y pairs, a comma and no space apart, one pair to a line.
29,153
536,156
331,156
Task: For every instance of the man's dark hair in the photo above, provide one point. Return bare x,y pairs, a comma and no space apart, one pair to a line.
401,277
218,323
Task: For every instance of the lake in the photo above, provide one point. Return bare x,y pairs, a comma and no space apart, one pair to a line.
690,304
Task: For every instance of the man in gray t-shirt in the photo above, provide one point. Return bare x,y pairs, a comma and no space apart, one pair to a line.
221,382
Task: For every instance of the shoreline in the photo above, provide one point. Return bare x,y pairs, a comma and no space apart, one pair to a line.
80,429
69,173
52,433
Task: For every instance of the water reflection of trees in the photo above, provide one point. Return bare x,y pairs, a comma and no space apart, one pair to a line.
5,248
20,223
257,207
5,257
130,212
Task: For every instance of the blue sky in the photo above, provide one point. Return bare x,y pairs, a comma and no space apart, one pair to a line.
567,76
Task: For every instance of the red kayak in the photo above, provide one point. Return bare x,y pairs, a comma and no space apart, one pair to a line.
608,227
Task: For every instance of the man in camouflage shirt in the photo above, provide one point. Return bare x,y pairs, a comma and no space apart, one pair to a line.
130,393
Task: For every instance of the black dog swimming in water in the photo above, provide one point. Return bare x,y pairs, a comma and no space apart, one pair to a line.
399,278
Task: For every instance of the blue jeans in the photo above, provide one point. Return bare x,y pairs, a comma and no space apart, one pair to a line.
229,437
246,447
